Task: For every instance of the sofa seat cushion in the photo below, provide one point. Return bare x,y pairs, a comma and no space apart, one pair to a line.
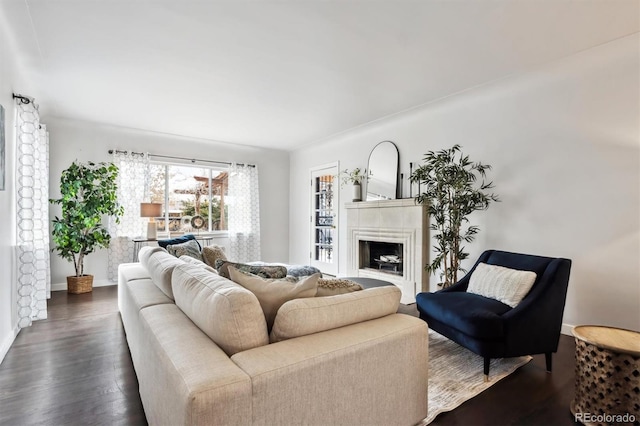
160,266
228,313
144,293
474,315
301,317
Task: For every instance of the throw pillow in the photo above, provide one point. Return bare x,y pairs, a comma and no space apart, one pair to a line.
178,240
332,287
509,286
273,293
302,270
212,253
190,248
194,261
262,271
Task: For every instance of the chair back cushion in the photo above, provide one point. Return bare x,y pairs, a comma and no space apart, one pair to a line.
507,285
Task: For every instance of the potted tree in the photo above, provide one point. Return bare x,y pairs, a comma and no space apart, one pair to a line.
452,192
88,194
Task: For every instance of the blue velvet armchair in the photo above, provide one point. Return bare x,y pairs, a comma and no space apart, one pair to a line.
493,329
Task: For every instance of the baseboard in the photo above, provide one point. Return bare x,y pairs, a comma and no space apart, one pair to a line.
567,329
96,283
7,342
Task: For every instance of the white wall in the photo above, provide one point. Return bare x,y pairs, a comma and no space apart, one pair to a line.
84,141
564,143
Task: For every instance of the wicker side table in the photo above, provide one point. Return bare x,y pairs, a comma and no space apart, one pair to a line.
607,375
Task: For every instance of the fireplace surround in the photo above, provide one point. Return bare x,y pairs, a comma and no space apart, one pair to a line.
387,240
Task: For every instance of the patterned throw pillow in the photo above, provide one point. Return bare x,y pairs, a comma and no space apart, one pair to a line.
189,248
262,271
302,270
178,240
212,253
332,287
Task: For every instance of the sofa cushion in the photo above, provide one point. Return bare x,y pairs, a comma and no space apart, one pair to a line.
264,271
188,248
160,265
300,317
177,240
333,287
273,293
193,261
507,285
476,316
226,312
212,253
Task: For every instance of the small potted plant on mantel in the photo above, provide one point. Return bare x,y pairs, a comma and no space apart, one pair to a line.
355,178
88,194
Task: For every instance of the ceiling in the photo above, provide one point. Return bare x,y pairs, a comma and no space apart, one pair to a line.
284,74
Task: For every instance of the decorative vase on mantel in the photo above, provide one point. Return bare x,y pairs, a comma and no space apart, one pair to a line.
357,191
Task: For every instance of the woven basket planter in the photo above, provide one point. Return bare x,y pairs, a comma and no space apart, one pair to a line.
77,285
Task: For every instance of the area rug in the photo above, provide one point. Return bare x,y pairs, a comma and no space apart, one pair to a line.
456,375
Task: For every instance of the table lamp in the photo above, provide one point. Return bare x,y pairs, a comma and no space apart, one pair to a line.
151,210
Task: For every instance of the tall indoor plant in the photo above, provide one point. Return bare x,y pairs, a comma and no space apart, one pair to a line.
88,194
450,188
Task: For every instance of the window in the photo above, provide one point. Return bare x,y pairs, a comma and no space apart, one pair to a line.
193,198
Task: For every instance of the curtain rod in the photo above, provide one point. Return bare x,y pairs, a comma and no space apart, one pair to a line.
193,160
23,99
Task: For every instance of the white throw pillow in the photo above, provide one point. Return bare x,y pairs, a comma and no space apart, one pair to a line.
509,286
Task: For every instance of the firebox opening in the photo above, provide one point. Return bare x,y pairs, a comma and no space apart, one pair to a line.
381,257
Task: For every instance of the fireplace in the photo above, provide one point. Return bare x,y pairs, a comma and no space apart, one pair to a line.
388,240
381,256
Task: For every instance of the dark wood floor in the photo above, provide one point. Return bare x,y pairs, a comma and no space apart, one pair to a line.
75,369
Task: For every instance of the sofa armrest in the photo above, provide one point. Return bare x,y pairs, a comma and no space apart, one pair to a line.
373,372
184,377
544,307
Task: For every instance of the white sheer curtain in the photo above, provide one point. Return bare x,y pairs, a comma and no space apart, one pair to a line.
32,208
244,213
133,186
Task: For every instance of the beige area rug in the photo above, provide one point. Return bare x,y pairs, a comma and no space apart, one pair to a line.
455,374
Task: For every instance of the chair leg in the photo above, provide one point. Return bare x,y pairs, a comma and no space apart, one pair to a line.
487,360
547,357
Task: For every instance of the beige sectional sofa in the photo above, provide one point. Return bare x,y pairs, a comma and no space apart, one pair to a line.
202,354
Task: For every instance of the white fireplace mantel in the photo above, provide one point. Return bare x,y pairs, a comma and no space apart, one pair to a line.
393,221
